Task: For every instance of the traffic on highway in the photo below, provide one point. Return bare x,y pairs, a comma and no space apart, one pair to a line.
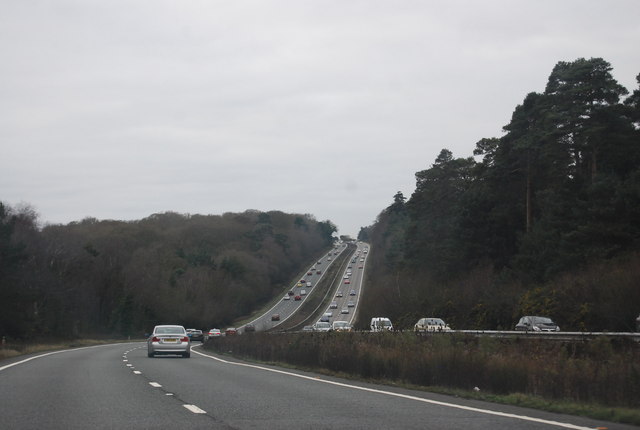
295,296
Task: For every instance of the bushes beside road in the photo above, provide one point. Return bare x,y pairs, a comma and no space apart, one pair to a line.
603,371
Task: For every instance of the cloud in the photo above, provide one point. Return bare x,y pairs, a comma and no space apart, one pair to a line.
122,109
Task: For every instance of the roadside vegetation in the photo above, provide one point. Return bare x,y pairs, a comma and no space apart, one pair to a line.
600,379
544,220
92,278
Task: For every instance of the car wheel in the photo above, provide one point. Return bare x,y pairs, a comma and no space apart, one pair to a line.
186,355
150,354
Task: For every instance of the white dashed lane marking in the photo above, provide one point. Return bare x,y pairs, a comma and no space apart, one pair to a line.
155,384
137,372
195,409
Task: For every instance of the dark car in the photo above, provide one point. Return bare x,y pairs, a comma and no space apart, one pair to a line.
275,317
195,334
249,328
535,323
230,331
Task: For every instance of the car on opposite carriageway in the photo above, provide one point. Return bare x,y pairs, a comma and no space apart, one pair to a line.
536,323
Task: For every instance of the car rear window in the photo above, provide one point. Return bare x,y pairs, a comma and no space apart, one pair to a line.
169,330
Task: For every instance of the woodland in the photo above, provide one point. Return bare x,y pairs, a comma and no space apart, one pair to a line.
544,220
106,278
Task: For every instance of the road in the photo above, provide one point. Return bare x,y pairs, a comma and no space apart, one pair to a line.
346,295
117,387
286,308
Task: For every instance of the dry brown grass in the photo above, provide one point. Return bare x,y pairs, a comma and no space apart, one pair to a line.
604,372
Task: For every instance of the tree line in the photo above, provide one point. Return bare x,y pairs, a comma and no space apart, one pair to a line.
544,219
122,277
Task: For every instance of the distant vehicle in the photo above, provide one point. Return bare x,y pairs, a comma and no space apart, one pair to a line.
535,323
341,326
249,328
339,294
351,304
309,273
333,305
303,292
307,328
275,317
309,284
324,318
214,332
297,298
231,331
352,292
195,334
328,314
291,293
344,311
322,326
169,339
318,272
381,324
347,281
430,324
287,297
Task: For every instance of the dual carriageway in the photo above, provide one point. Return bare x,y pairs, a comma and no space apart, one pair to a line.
345,290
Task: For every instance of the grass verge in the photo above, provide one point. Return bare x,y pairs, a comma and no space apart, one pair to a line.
597,379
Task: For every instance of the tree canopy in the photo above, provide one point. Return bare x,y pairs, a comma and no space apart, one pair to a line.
485,237
117,277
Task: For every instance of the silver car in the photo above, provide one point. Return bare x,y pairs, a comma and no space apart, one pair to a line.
169,339
322,326
535,323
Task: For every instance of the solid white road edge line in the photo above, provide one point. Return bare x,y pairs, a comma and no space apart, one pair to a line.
404,396
195,409
54,352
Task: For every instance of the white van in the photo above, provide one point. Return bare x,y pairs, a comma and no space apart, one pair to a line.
381,324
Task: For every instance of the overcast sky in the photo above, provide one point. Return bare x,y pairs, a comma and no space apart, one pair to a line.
121,109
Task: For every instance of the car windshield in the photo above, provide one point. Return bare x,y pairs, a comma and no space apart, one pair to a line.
169,330
542,320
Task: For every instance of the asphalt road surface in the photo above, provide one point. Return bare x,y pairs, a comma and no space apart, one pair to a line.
285,308
119,387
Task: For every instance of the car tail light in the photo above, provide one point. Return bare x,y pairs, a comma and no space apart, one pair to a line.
155,339
185,339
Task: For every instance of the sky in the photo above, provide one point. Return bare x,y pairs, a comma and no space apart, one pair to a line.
124,108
